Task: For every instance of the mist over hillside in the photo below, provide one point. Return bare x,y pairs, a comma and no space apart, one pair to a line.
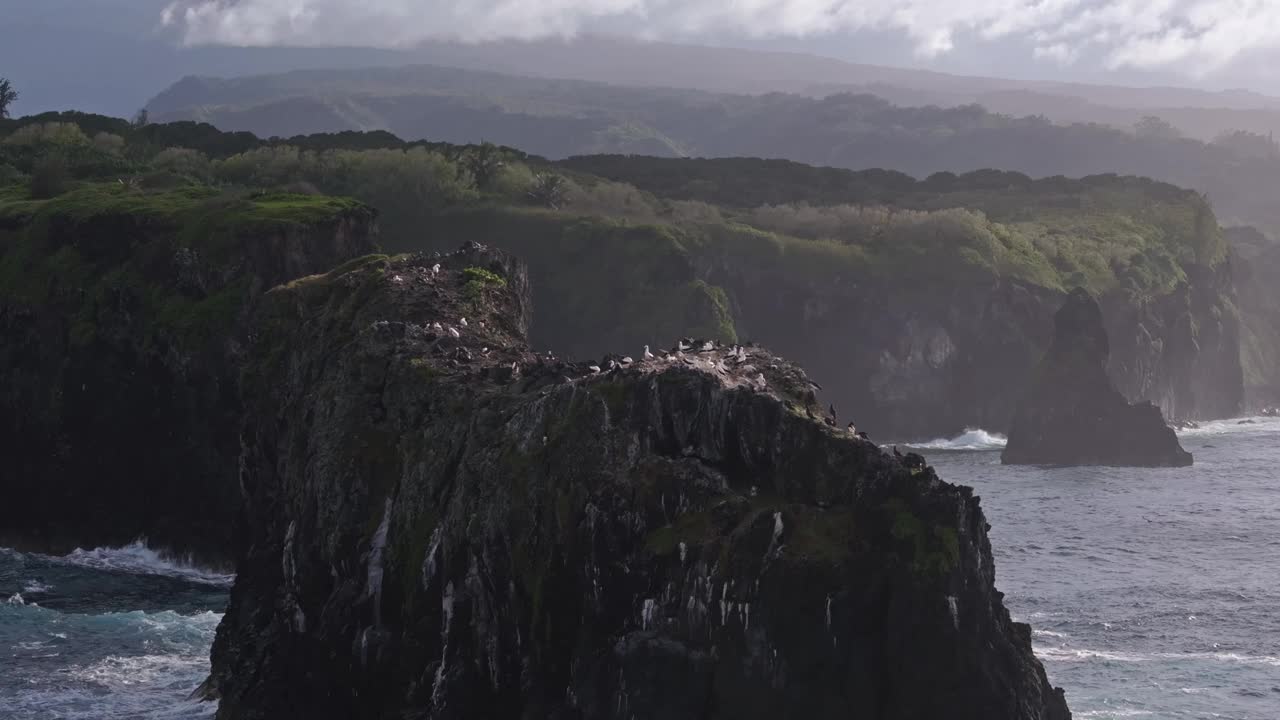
559,118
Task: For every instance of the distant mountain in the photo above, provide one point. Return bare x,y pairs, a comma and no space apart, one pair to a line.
131,56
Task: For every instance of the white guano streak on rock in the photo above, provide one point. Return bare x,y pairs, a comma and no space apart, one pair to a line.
373,586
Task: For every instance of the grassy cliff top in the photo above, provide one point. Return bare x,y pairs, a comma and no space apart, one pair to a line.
187,207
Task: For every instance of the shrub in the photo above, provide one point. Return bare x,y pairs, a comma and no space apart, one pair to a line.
109,143
52,133
182,161
49,177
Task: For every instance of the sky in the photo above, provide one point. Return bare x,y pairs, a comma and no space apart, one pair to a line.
1218,43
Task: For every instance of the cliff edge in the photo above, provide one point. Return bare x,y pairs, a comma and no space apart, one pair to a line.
1072,414
444,525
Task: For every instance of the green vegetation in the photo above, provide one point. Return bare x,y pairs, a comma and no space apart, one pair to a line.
7,97
630,244
934,549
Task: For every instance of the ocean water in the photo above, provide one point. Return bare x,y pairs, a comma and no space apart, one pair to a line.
1151,593
105,634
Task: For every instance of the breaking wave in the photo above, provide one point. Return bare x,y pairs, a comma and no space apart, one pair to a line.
138,559
971,439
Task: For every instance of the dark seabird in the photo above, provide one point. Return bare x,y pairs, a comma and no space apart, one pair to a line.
896,453
863,435
852,430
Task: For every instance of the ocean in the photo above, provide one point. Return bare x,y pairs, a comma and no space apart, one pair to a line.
1152,593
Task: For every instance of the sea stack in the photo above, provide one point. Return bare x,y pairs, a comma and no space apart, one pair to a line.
1072,414
443,534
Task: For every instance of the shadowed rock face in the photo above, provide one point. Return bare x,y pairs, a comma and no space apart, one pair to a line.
119,408
453,527
1073,415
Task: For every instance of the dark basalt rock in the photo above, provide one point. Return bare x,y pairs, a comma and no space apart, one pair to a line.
510,535
119,408
1073,415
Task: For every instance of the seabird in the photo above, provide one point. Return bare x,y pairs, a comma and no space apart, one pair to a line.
681,346
852,430
484,351
647,355
463,322
453,332
437,327
863,435
708,346
595,369
815,385
831,412
627,360
435,269
896,453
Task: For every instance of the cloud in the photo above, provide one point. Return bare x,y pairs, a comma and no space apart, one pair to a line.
1195,37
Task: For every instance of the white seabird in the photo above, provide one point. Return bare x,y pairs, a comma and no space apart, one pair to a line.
435,269
595,369
453,332
437,327
463,322
647,355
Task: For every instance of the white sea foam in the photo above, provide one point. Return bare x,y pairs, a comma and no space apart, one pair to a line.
1061,654
35,586
970,439
138,559
1256,425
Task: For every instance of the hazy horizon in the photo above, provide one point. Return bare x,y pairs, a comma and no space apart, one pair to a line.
141,46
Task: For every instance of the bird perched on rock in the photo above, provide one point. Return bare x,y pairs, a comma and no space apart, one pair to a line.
862,435
595,369
680,346
852,430
627,360
462,322
435,269
647,355
831,411
437,327
453,332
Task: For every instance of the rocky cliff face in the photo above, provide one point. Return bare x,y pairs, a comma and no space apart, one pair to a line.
122,336
444,525
1072,414
1256,258
906,357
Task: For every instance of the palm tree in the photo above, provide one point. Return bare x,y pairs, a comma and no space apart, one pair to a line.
549,190
7,96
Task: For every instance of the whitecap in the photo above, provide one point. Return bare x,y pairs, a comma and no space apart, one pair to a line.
35,586
138,559
970,439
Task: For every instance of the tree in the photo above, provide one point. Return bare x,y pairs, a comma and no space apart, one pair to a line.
1155,128
483,163
1244,144
7,96
549,190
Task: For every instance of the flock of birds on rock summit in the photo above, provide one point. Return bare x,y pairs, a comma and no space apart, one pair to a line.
744,364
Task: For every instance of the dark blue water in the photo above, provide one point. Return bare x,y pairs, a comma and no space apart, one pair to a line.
1152,593
104,634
